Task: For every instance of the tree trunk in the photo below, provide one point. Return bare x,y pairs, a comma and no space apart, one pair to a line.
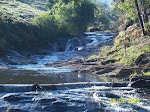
140,18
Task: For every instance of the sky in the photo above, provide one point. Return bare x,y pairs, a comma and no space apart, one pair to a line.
108,2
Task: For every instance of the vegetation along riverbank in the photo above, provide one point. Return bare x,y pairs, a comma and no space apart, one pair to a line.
34,25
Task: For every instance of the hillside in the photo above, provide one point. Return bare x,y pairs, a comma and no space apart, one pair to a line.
19,11
39,4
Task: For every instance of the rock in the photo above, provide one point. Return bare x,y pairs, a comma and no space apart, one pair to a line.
75,61
141,83
16,110
111,95
132,27
33,62
143,59
13,98
108,62
106,94
43,101
91,60
103,71
11,62
125,72
119,84
111,52
136,78
94,29
118,72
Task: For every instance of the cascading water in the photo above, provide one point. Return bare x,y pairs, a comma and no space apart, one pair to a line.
90,99
55,46
72,44
74,97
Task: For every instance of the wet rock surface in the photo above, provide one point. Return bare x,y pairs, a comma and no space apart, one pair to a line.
95,98
141,83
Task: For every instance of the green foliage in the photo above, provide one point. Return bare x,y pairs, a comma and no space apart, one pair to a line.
143,74
104,51
66,19
147,73
72,19
103,16
48,25
50,3
133,74
84,14
93,57
147,25
129,8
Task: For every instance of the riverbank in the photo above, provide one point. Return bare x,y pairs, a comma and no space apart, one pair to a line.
128,55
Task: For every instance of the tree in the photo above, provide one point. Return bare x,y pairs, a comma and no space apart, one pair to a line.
141,21
140,18
138,13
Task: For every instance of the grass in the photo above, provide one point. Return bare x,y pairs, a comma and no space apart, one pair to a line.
92,57
132,53
147,73
144,74
133,74
127,56
18,11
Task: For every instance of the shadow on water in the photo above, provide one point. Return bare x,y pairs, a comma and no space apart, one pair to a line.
31,77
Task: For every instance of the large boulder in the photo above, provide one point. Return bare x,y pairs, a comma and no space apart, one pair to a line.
143,59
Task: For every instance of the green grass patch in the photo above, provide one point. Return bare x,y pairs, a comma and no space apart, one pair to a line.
92,57
147,73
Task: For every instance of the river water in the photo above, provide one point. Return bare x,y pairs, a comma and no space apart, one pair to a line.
91,98
38,73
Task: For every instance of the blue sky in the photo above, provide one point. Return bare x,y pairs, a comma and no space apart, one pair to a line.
108,2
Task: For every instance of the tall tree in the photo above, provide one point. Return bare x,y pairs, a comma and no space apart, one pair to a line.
141,21
138,13
140,18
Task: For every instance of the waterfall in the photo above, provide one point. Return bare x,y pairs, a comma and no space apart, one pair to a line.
73,44
55,46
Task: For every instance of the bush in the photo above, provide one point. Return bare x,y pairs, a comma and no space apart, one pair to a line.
48,27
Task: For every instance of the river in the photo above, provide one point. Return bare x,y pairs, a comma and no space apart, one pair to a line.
81,97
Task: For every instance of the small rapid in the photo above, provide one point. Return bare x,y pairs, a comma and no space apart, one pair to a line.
62,89
75,48
86,99
28,70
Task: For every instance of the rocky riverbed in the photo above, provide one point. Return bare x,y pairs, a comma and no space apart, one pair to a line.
74,57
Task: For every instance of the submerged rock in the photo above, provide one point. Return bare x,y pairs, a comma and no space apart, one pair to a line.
43,101
16,110
13,97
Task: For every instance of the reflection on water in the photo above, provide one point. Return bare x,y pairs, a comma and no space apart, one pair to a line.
29,73
29,77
